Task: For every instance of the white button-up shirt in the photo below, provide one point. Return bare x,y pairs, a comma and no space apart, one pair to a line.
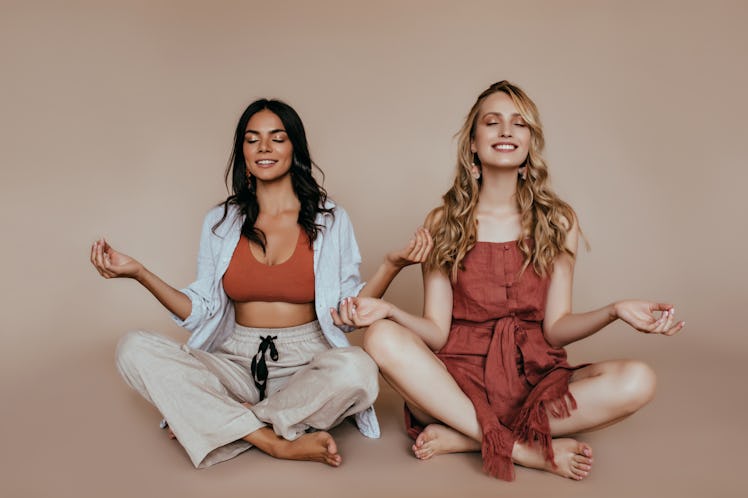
336,275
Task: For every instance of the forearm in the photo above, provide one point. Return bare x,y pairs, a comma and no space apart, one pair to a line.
172,299
377,285
575,326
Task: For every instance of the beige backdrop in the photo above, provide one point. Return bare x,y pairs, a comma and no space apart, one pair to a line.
117,119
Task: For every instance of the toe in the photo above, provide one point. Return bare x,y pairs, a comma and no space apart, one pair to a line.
424,453
585,449
421,439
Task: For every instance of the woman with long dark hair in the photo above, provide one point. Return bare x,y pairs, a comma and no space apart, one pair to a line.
484,369
265,362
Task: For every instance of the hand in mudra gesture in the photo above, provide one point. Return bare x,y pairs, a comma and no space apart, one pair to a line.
642,315
111,263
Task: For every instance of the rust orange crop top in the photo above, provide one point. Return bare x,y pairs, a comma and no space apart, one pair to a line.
246,279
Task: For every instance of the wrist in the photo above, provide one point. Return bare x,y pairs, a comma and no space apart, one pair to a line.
140,274
613,313
391,264
391,311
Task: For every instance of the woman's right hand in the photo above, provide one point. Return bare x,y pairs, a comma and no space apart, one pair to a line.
361,311
416,251
113,264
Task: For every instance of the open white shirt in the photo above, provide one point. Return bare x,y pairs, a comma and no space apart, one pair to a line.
336,275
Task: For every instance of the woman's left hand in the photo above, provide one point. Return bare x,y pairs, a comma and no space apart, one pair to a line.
417,251
360,311
642,316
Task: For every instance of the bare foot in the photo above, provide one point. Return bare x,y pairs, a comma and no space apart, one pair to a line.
437,439
573,459
315,447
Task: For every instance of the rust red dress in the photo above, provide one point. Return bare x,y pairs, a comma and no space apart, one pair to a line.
498,355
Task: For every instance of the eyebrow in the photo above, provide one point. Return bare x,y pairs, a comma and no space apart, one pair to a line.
498,114
272,132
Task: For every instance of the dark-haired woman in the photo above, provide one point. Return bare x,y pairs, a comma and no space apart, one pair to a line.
265,362
484,369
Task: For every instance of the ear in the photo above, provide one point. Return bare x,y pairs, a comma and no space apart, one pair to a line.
473,149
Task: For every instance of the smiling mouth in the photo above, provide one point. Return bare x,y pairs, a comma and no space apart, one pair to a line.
505,147
266,162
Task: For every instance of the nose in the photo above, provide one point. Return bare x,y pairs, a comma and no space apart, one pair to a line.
266,144
505,129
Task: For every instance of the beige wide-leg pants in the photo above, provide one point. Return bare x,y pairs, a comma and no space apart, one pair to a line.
200,394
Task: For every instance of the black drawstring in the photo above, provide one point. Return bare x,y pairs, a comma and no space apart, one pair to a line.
259,366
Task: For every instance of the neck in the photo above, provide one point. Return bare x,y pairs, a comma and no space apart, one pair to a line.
277,196
499,189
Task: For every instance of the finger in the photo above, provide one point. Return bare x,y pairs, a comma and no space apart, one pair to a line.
678,327
335,317
345,311
427,246
661,323
100,255
422,245
659,307
94,262
416,246
408,249
669,321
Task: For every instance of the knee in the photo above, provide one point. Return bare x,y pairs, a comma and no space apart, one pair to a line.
383,341
355,370
131,349
636,384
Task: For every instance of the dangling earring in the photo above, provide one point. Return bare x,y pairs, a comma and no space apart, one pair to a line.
523,172
474,169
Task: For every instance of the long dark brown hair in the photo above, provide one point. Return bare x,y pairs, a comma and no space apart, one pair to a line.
311,195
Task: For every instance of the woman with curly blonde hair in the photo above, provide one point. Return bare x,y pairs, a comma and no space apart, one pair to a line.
484,369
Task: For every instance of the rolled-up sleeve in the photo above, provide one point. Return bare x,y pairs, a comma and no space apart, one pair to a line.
200,290
350,257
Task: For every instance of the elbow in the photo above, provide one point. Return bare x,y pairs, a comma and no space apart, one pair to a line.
437,341
556,343
553,340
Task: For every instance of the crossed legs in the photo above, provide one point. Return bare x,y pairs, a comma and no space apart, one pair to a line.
605,392
206,408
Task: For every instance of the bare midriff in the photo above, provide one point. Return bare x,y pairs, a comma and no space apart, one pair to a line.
273,314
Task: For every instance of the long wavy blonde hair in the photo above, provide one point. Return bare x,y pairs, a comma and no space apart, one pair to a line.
544,216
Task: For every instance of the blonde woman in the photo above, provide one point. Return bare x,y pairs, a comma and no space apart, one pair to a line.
484,369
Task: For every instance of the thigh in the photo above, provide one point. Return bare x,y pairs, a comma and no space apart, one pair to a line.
231,372
420,377
601,395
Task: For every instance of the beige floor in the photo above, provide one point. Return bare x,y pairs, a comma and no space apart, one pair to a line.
73,429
